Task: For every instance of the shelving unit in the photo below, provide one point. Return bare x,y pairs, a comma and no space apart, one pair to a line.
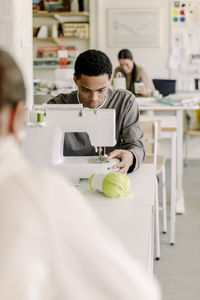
46,18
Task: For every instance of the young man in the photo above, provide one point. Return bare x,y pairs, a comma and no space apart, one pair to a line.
52,245
93,72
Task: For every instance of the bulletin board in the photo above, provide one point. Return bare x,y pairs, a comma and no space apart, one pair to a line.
137,27
184,60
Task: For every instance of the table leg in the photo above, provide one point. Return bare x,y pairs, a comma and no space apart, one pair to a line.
173,189
180,206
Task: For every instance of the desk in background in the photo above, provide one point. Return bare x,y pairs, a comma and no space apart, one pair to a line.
173,118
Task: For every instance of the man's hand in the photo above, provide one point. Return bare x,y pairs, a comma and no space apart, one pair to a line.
126,159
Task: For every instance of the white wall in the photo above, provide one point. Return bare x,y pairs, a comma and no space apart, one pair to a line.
16,37
154,59
24,43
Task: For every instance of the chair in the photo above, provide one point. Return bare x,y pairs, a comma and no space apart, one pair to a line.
152,131
165,86
187,134
193,125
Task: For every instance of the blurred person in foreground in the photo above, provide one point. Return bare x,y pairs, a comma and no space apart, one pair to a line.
53,246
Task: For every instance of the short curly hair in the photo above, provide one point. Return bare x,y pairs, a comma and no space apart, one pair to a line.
93,63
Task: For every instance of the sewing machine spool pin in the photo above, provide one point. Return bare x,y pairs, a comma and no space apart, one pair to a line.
102,153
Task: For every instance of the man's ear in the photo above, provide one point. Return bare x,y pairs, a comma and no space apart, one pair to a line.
75,79
17,118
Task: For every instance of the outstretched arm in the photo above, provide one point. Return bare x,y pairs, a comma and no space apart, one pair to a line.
130,135
126,158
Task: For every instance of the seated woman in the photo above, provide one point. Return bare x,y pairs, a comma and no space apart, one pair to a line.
134,74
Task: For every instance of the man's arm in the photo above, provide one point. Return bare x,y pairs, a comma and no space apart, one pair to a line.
130,148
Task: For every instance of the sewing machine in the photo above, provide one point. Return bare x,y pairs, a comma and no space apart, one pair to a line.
46,127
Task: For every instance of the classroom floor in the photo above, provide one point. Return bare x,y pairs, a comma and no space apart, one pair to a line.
179,268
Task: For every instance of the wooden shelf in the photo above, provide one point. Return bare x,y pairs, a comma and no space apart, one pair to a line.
44,39
41,59
46,59
59,39
42,66
46,67
44,13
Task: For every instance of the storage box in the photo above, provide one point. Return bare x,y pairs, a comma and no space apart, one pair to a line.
54,5
80,30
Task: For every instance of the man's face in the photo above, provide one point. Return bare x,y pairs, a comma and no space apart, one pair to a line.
92,89
126,65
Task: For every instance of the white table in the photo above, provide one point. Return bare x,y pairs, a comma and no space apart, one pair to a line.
131,219
167,121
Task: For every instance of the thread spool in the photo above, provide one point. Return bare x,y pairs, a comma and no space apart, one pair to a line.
113,185
40,118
